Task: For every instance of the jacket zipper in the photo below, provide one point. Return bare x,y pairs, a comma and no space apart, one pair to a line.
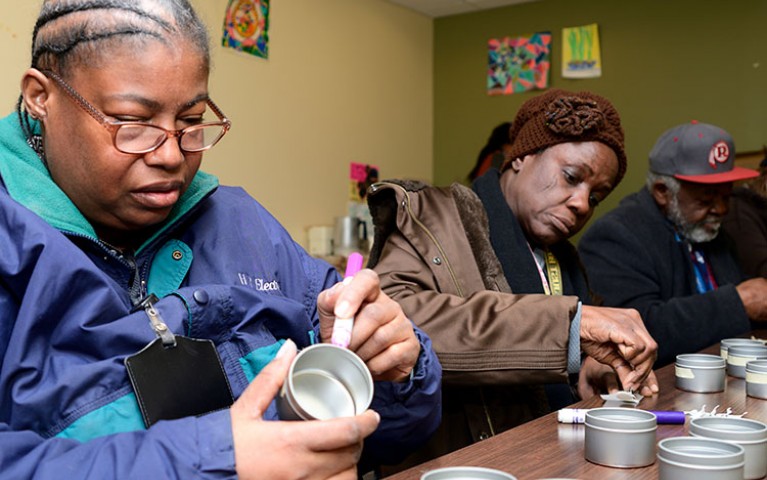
430,235
137,290
487,414
452,275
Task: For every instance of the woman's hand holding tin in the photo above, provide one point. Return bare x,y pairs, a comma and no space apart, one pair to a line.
318,449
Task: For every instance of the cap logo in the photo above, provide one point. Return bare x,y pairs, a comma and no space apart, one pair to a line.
719,153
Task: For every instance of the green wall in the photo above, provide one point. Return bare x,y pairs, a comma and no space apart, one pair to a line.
664,62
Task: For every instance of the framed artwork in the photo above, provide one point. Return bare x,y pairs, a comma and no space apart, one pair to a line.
581,57
246,27
518,64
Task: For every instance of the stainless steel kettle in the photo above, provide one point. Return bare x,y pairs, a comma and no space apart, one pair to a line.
350,235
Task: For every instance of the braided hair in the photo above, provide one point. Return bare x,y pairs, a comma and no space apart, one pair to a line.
77,33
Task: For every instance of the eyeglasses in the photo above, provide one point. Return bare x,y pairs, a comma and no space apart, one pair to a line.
141,137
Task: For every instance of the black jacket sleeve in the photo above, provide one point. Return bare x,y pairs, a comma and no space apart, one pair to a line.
629,267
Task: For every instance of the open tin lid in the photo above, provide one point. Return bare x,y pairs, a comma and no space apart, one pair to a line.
466,473
703,452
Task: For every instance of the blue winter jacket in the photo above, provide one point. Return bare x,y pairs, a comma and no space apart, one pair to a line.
224,269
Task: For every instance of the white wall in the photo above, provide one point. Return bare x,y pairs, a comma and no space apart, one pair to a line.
346,81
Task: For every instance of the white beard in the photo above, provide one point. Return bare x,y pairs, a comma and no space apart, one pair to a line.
699,232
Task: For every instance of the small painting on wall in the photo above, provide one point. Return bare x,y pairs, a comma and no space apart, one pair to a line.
246,27
518,64
361,176
581,57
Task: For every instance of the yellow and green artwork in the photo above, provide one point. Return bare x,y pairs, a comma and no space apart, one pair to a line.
581,57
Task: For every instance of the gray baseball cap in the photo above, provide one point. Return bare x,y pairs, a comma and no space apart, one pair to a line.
699,153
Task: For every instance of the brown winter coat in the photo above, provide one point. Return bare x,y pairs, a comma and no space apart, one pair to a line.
433,254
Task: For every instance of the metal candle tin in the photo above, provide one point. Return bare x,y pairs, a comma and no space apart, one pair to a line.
725,344
700,372
466,473
325,381
697,458
739,355
620,437
756,379
749,434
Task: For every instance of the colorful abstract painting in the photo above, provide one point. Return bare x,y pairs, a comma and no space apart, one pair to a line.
246,27
580,52
518,64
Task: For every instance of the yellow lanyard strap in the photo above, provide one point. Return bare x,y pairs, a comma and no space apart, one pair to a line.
552,286
555,273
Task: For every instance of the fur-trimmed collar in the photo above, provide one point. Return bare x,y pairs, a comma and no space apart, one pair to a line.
383,203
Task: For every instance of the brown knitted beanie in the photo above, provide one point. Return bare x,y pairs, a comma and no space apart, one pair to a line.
559,116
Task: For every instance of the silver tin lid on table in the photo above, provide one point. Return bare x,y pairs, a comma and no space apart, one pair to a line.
620,437
697,458
749,434
725,344
739,355
466,473
700,372
756,379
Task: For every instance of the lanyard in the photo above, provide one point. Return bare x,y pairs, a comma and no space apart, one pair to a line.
555,274
704,277
552,285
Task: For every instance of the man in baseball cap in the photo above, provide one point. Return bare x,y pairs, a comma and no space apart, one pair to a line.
699,153
661,251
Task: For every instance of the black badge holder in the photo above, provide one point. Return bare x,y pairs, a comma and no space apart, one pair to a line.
176,376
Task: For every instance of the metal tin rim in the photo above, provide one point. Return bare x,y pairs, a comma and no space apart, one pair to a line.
620,419
722,454
728,342
757,366
695,466
620,430
352,359
747,351
700,360
450,472
751,432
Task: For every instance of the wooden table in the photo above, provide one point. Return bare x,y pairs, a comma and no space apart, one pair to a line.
544,448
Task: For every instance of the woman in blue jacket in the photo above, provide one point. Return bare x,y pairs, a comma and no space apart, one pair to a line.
115,248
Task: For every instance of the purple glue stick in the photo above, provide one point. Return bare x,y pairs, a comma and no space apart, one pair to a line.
669,416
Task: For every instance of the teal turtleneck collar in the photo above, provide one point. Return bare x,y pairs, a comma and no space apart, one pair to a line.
28,182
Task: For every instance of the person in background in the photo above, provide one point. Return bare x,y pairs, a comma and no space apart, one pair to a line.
493,153
149,315
489,274
661,250
746,223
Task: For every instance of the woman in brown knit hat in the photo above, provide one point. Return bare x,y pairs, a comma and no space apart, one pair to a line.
566,156
489,274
